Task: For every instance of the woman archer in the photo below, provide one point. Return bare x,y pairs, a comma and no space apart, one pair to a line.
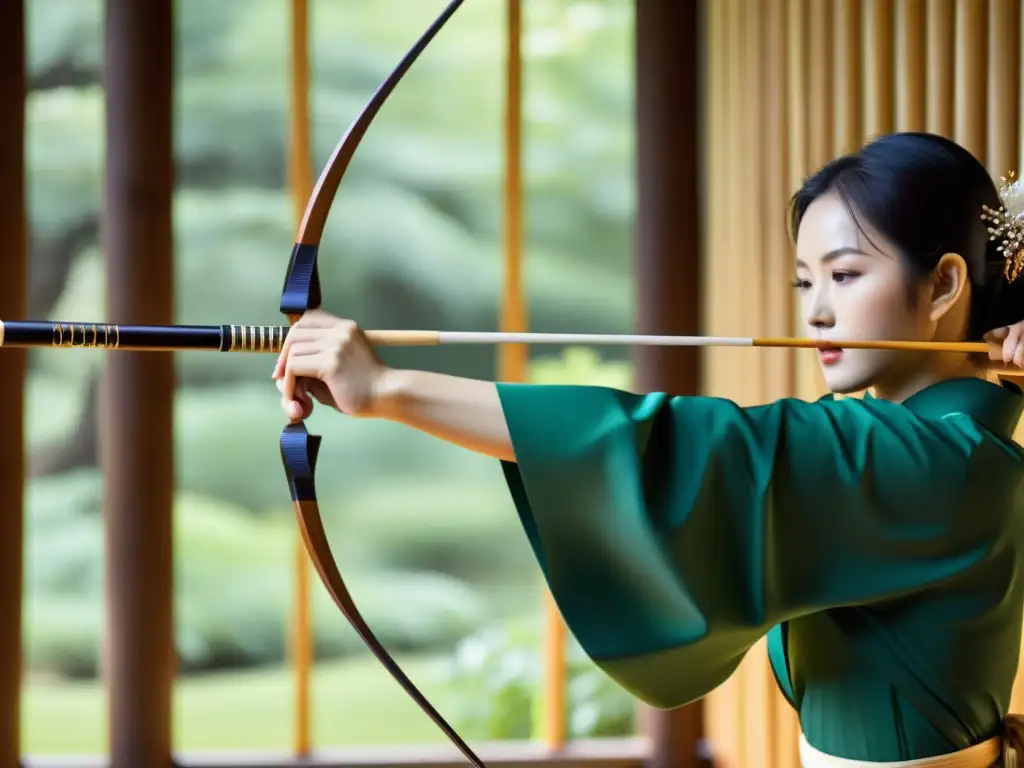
875,541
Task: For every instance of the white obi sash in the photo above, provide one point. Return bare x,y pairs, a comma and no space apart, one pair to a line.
1005,751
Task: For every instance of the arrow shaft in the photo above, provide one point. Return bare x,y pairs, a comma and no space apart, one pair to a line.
596,339
268,339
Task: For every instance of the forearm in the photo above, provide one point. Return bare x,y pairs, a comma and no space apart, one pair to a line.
466,412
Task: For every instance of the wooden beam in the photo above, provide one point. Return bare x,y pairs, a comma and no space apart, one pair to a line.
137,439
13,303
668,53
598,753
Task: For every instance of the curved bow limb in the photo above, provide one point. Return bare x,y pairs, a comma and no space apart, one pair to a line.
299,449
302,281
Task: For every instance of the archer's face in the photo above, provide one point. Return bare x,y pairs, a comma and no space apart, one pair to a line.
855,288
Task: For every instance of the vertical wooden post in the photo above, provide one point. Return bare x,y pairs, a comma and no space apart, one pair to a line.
301,183
137,450
513,358
13,303
668,51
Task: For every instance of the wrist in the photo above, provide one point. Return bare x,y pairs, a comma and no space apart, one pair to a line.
391,392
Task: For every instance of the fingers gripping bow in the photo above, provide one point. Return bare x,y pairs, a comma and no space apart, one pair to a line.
298,448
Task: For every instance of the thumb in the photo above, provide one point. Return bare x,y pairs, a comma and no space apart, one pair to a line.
996,334
299,407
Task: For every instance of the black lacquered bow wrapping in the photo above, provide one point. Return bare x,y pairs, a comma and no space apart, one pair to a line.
299,448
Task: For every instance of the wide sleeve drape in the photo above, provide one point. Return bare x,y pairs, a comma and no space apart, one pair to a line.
674,532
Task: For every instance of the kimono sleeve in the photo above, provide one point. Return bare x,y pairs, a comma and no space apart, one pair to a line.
674,532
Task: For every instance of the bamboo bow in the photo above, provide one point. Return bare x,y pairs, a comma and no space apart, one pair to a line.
299,449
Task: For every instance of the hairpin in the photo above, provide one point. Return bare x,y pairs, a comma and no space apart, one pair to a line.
1007,225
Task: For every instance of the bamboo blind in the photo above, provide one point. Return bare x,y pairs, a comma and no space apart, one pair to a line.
790,84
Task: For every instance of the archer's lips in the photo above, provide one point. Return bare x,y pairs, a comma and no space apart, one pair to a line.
830,355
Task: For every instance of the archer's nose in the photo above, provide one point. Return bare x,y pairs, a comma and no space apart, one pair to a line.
820,316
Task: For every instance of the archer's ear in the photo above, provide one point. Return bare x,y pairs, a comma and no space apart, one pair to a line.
948,281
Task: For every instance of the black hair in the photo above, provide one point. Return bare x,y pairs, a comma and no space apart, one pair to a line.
925,194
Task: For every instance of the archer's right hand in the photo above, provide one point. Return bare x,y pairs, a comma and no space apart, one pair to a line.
1006,345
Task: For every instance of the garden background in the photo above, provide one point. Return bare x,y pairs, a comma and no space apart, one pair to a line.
425,533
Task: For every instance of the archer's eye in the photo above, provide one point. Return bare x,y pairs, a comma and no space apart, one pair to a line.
843,277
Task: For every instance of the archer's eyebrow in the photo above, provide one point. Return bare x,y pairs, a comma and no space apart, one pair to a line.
834,254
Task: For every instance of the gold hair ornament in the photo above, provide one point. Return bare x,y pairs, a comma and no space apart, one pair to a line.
1007,225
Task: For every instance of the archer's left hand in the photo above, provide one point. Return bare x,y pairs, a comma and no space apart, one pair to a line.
330,360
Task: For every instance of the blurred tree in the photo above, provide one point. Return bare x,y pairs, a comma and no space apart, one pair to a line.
414,240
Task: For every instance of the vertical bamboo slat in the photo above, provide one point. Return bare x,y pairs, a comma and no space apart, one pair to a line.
513,360
821,147
820,17
971,75
941,57
301,183
780,722
775,159
756,736
746,256
911,98
879,55
1020,75
723,724
848,71
797,90
719,707
1003,86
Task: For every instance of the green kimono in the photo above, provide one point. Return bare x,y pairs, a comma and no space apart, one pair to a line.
878,545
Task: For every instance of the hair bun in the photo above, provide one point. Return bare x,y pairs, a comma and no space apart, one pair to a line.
1001,300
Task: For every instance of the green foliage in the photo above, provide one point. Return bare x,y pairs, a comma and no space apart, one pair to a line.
69,33
496,677
65,166
234,575
227,447
468,529
63,635
581,366
53,405
64,33
354,703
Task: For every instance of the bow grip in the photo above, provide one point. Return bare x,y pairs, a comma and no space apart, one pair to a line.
301,290
299,451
